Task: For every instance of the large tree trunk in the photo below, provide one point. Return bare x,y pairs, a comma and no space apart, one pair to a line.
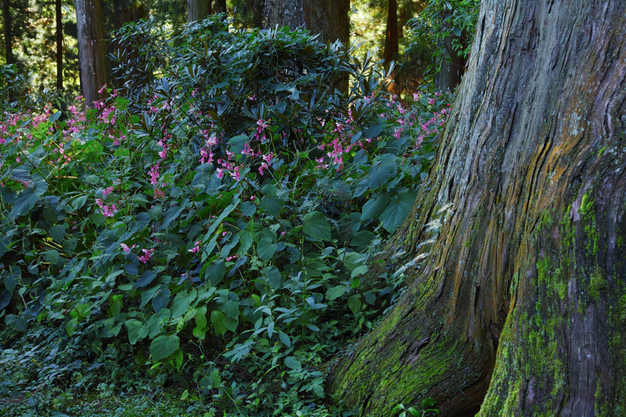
91,45
8,36
519,307
328,18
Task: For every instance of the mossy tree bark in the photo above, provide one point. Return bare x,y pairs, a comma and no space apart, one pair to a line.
518,309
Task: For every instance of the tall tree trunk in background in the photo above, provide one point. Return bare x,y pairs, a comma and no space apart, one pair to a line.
519,307
59,33
391,44
452,66
391,32
8,36
220,6
328,18
257,12
91,45
198,9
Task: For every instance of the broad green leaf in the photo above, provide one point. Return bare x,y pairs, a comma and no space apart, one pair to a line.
354,303
214,273
51,256
136,330
57,233
266,249
272,205
383,168
375,205
69,246
293,363
161,299
230,308
362,239
316,226
217,320
180,305
27,199
164,346
336,292
231,324
359,270
399,207
145,279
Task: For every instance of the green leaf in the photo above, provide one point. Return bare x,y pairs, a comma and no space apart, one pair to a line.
230,308
57,233
266,249
359,270
161,300
336,292
293,363
51,256
375,205
362,239
92,179
145,279
217,319
272,205
284,338
316,226
383,169
354,303
136,330
164,346
69,246
215,273
180,305
398,209
27,199
216,379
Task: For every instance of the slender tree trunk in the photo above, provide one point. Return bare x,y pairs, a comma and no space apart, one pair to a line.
8,36
452,65
59,33
198,9
519,307
257,10
328,18
220,6
91,45
391,32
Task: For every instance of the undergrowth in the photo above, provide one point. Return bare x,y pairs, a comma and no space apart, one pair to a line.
206,227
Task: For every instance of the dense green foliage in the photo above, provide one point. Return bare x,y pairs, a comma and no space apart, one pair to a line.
207,225
441,19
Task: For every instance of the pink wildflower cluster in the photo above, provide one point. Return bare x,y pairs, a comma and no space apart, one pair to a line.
147,254
196,247
126,248
107,211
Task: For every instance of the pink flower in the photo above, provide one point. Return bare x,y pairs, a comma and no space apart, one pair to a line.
125,247
154,173
101,90
147,254
107,191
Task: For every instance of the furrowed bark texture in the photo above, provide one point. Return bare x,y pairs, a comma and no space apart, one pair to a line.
92,49
518,309
328,18
198,9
